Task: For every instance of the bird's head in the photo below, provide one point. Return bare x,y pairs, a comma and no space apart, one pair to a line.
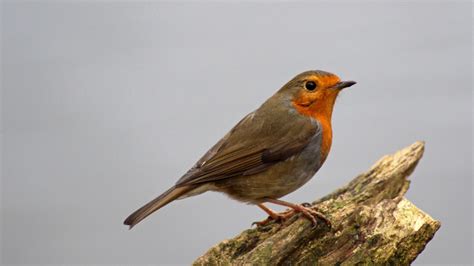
313,93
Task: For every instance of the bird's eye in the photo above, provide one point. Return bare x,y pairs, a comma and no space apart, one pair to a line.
310,85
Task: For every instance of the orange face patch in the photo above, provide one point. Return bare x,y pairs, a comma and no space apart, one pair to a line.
319,104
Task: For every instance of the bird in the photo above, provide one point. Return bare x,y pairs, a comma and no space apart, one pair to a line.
270,153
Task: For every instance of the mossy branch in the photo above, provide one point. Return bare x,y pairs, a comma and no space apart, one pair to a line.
372,224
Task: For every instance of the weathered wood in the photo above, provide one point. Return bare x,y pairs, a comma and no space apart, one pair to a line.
372,224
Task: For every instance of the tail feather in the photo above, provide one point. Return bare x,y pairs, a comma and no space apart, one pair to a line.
152,206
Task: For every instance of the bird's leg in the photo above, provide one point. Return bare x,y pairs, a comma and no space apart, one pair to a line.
269,211
306,210
272,215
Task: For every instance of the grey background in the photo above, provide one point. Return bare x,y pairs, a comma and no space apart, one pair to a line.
105,105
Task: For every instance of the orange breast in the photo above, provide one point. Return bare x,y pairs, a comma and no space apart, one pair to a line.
322,112
326,138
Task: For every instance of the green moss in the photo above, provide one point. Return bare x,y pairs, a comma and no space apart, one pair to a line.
409,247
338,205
374,240
245,246
263,255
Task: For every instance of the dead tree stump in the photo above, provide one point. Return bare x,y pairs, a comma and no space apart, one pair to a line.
372,224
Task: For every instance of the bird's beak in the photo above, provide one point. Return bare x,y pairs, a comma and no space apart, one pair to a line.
344,84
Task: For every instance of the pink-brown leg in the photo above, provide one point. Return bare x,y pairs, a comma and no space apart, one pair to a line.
272,215
308,212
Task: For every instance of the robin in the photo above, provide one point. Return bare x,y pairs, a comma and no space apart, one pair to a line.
270,153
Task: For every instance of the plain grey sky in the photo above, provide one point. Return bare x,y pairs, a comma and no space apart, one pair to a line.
105,105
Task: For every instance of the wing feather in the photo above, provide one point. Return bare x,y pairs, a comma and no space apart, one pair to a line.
241,153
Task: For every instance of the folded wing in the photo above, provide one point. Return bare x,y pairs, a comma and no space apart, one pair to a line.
252,146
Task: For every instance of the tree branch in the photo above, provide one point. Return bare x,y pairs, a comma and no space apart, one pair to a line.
372,224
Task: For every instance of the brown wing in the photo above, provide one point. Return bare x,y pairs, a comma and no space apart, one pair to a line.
250,147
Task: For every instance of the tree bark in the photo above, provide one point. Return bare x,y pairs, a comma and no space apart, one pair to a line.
372,223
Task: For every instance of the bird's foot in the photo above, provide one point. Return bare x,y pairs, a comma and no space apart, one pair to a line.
311,213
306,209
280,217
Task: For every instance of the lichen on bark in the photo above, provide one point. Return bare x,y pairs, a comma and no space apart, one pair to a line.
372,223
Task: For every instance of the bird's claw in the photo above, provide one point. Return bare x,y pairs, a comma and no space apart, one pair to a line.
312,214
264,222
306,209
279,218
